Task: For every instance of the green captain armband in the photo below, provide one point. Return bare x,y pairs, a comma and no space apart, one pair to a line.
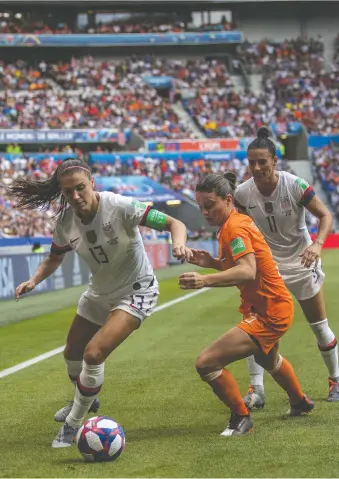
156,220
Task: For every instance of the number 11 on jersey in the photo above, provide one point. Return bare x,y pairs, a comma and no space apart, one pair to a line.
272,224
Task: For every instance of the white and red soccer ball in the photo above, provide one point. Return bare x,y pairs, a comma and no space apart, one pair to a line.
100,439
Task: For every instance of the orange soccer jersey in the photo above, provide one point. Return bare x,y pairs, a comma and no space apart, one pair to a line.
265,302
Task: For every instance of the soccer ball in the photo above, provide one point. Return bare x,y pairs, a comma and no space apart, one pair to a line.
100,439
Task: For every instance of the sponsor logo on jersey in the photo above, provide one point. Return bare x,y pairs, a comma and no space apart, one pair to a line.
74,242
237,246
269,207
91,236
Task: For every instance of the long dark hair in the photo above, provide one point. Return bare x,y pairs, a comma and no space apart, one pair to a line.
221,185
33,194
263,142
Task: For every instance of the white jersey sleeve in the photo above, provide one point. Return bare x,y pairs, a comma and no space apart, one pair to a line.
60,244
303,192
135,211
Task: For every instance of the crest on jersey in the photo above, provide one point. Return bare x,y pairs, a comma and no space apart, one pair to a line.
269,207
285,205
91,236
108,229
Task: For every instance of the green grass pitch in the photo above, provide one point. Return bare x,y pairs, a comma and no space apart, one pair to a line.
171,418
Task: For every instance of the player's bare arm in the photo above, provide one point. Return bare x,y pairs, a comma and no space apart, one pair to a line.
48,266
317,208
244,271
161,222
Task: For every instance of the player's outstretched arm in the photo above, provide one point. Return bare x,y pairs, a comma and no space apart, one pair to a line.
317,208
48,266
161,222
244,270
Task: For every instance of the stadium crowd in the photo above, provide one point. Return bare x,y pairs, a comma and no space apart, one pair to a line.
176,175
326,170
87,93
34,23
91,93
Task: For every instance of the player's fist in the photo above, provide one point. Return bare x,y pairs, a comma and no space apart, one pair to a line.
24,288
181,252
191,281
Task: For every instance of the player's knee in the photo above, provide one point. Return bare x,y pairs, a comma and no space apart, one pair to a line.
93,355
73,352
205,363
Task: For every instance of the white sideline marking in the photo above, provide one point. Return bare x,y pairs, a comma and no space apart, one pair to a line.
53,352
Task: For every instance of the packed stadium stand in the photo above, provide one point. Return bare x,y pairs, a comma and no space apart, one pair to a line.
202,98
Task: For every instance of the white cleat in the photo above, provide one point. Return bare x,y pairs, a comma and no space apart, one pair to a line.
65,437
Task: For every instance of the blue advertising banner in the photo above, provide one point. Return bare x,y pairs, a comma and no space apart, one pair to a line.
186,156
315,141
158,81
39,156
123,39
140,187
104,135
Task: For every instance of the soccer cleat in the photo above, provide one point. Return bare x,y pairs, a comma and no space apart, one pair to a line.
333,392
66,436
254,399
304,408
238,425
61,415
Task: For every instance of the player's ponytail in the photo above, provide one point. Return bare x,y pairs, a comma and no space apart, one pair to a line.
263,142
221,185
33,194
231,178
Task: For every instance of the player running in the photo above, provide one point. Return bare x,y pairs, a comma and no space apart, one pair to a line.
276,201
245,261
102,228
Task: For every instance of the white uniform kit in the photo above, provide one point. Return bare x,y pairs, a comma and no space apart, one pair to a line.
281,219
111,245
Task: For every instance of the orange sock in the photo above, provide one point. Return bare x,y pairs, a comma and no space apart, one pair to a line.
287,379
227,390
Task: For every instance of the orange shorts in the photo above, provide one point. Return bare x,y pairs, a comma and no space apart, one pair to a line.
265,331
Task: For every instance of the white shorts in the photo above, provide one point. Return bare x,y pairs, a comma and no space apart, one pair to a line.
304,283
139,304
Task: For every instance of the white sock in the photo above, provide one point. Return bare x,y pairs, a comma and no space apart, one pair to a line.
88,386
73,369
256,372
327,345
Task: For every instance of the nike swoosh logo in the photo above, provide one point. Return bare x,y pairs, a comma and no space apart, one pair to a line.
74,240
251,207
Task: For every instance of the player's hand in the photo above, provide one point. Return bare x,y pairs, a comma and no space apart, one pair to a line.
191,281
181,252
24,288
311,255
200,258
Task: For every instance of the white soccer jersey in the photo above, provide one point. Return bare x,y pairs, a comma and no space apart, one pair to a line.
280,217
111,245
